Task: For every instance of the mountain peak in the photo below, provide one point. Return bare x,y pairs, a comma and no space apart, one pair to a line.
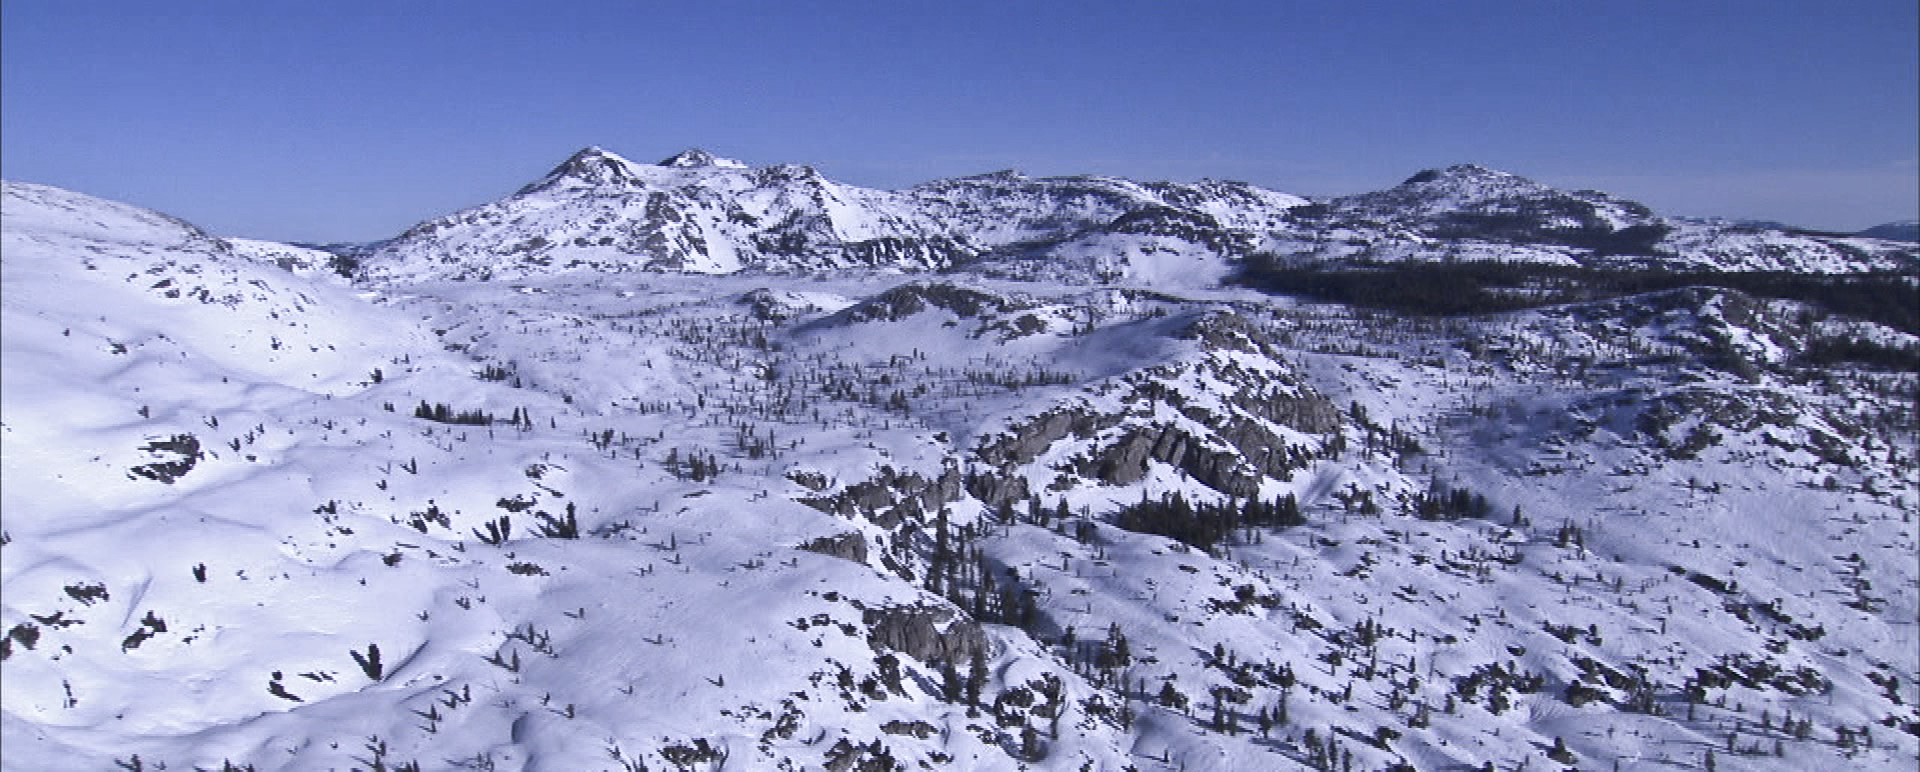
596,167
1460,173
1460,186
590,166
695,158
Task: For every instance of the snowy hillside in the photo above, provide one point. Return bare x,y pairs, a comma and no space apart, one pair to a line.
699,466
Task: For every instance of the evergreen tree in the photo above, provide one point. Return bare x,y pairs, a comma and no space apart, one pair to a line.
976,680
951,687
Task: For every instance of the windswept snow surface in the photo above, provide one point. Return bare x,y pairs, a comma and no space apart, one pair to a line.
1646,528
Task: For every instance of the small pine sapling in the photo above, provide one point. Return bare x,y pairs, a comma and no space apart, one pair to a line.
369,663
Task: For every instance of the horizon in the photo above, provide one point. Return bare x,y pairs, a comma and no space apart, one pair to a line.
354,122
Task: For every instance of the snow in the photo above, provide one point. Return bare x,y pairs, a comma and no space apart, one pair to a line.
320,517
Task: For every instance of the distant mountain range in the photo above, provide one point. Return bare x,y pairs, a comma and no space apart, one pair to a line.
699,213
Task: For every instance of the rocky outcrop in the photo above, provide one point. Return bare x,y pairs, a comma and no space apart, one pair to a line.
1229,447
925,632
184,450
912,298
879,498
1026,441
847,546
1125,462
997,488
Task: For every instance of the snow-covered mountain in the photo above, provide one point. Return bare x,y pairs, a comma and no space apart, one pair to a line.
1027,487
1469,212
691,213
701,214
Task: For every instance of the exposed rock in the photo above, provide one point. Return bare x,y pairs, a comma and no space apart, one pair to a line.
925,632
1185,224
185,448
881,497
844,756
998,487
909,299
1125,462
1028,440
916,729
813,481
847,546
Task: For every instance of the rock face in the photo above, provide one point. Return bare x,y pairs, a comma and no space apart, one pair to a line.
1235,472
1026,441
847,546
926,633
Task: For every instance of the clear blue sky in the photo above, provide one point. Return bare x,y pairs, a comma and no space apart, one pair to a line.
352,120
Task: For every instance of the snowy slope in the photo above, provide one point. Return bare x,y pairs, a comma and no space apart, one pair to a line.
854,519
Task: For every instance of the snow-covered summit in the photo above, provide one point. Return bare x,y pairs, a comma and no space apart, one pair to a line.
695,158
693,212
1461,186
1458,195
590,167
594,168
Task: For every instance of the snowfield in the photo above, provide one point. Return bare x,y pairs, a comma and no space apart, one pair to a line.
993,473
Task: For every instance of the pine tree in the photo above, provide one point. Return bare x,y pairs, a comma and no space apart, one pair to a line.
889,666
951,687
976,681
1560,751
1117,644
1171,698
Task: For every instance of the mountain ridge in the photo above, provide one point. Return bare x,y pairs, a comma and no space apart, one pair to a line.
1903,230
695,212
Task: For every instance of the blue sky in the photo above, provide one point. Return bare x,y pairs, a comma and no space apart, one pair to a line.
352,120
